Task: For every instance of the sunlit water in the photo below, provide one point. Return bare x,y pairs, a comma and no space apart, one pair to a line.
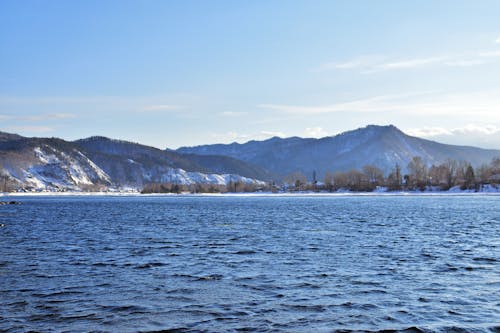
218,264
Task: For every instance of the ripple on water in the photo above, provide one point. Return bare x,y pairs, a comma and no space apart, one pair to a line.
194,264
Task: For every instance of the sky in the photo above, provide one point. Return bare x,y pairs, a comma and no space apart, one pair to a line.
183,73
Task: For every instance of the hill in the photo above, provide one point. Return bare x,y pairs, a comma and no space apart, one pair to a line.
382,146
100,163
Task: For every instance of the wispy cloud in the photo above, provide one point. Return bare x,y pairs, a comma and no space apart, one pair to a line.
231,136
232,114
270,134
50,116
465,63
41,117
315,132
371,104
409,63
364,61
29,129
467,129
160,108
372,64
497,40
485,103
481,135
490,54
98,103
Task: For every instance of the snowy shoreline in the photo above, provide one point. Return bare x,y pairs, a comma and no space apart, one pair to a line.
256,194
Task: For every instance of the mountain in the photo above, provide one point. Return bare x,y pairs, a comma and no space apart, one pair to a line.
382,146
99,163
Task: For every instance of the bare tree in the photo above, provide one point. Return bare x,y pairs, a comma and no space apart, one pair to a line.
395,179
418,172
340,180
329,181
374,175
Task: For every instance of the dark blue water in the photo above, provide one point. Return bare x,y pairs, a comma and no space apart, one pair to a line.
218,264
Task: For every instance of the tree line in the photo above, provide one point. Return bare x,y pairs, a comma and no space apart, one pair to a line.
232,187
418,176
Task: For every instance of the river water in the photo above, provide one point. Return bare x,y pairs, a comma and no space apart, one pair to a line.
259,264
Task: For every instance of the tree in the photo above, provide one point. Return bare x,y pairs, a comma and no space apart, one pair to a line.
438,175
340,180
394,180
460,173
418,172
495,165
355,180
296,179
450,172
470,179
374,176
329,181
484,173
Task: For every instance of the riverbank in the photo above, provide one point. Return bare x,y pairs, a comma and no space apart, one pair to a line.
452,192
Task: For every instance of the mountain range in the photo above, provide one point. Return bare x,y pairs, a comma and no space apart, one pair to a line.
381,146
100,163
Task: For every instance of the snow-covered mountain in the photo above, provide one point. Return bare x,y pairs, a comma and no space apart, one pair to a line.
98,163
382,146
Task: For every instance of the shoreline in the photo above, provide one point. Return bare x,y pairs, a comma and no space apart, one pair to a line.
260,194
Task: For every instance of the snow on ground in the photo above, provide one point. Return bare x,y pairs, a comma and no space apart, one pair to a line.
57,171
180,176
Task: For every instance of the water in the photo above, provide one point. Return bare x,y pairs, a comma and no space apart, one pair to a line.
282,264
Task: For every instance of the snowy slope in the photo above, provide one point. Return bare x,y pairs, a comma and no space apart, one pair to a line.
54,170
33,164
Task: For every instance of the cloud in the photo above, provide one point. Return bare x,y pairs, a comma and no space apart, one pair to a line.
427,132
486,103
96,104
271,134
464,63
369,64
29,129
490,54
363,61
410,63
161,107
229,137
470,129
470,134
371,104
477,129
315,132
232,114
41,117
50,116
497,40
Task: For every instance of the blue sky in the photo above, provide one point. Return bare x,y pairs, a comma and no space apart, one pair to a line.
174,73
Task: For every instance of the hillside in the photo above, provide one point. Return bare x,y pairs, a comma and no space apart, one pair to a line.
382,146
99,163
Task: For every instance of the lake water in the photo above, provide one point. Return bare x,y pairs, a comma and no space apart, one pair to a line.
281,264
